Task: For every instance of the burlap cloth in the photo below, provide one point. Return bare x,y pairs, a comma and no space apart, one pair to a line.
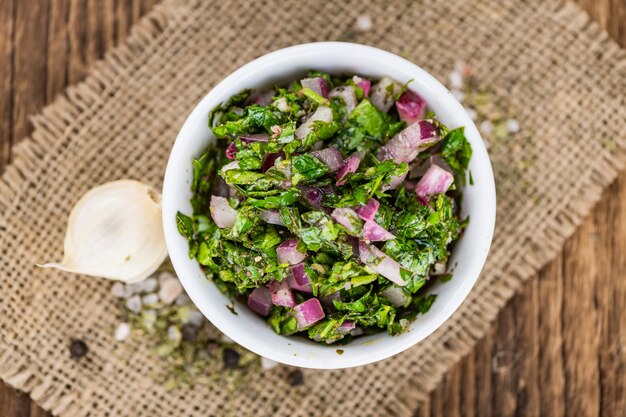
564,77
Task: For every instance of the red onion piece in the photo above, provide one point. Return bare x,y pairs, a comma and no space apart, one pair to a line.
312,195
231,151
288,253
396,181
348,95
298,279
222,213
322,114
350,167
363,83
420,166
230,165
331,157
349,219
396,295
373,232
436,160
317,84
411,107
435,181
308,313
327,300
257,137
357,332
281,294
271,217
269,159
380,262
260,300
405,145
368,211
380,97
262,98
346,327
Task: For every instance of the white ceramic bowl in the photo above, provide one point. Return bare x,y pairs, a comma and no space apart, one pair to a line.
247,328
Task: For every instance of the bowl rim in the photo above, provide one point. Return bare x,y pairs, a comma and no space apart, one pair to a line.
182,263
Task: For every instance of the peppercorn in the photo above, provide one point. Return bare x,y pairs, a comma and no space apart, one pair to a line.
190,332
78,349
295,378
230,358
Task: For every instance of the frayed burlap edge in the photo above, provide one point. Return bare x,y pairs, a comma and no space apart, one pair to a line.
65,112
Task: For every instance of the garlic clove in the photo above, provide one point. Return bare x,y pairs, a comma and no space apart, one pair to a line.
114,231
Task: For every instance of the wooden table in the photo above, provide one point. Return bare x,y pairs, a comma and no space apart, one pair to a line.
557,349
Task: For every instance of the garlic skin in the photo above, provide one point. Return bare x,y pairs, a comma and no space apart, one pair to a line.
114,231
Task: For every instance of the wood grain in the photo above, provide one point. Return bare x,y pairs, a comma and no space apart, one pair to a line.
557,349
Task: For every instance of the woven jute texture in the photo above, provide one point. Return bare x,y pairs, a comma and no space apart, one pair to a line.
565,79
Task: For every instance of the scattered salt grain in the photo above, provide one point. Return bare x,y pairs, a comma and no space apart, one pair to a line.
195,318
164,276
512,126
120,290
150,299
183,300
122,331
170,290
364,23
455,79
486,127
134,304
147,285
173,333
133,288
267,364
463,68
471,113
458,94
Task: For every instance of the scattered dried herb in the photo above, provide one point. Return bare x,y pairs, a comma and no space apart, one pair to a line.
193,351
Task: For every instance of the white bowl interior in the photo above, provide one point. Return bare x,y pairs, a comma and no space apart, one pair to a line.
250,330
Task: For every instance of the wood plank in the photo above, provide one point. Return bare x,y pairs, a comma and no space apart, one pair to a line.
504,365
29,55
550,360
58,49
7,39
610,15
13,403
526,316
77,66
610,293
580,317
482,359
